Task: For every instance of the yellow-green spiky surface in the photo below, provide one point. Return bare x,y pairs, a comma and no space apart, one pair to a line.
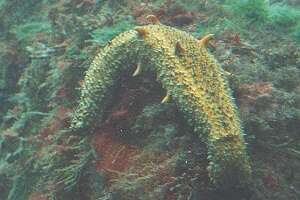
193,79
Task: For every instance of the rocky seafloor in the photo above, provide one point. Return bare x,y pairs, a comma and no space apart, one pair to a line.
143,149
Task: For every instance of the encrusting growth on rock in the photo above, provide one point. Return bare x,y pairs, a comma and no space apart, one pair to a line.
195,81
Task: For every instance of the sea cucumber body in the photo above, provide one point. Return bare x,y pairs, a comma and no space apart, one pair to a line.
193,79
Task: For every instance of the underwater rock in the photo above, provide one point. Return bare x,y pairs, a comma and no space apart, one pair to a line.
183,19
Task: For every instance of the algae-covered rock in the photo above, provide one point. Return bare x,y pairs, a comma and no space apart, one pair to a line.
133,146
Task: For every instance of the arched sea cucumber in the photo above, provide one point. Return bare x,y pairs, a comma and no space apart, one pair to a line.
191,77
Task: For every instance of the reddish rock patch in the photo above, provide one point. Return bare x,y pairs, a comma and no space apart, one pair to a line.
270,181
252,91
115,155
249,94
37,196
59,121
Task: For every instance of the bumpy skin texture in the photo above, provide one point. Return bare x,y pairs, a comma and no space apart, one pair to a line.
193,79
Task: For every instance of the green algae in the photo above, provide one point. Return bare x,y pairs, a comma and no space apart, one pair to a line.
32,28
105,34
